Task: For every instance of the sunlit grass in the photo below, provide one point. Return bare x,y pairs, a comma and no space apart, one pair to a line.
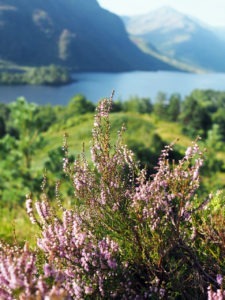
15,226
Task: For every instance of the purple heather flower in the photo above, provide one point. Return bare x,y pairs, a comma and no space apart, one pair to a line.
219,279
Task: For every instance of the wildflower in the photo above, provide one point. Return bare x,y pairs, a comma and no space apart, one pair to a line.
29,208
219,279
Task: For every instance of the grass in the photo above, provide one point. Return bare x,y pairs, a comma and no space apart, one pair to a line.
16,227
171,132
139,129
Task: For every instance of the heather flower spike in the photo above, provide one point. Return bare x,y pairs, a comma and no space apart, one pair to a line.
29,209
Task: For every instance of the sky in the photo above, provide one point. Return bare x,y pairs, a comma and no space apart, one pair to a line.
211,12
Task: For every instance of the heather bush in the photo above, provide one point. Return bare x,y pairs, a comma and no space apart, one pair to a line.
130,235
211,235
19,277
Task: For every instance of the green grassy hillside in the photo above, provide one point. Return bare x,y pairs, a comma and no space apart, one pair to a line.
32,137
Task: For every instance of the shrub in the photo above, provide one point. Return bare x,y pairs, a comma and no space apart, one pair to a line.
128,236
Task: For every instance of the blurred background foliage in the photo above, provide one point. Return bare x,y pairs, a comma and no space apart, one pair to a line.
31,138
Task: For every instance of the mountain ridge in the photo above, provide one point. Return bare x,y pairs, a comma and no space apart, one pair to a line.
179,36
73,33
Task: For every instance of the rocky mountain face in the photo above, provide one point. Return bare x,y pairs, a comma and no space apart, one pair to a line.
78,34
180,37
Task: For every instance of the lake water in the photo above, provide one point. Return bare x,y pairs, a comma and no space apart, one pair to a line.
98,85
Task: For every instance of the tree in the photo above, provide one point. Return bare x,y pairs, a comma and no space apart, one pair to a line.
2,127
139,105
22,117
219,118
4,115
194,118
214,138
45,116
174,107
160,105
80,105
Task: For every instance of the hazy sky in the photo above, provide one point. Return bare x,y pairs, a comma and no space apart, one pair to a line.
211,12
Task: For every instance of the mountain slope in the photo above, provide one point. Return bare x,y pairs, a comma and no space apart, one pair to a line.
75,33
179,37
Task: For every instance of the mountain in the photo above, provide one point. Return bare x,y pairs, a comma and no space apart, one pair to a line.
220,32
78,34
180,37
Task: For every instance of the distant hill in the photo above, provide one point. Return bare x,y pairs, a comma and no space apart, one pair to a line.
220,32
78,34
179,37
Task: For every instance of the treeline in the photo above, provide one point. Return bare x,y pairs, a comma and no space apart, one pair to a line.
26,129
199,112
46,75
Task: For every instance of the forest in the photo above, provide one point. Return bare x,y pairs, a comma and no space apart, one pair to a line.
45,75
119,199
